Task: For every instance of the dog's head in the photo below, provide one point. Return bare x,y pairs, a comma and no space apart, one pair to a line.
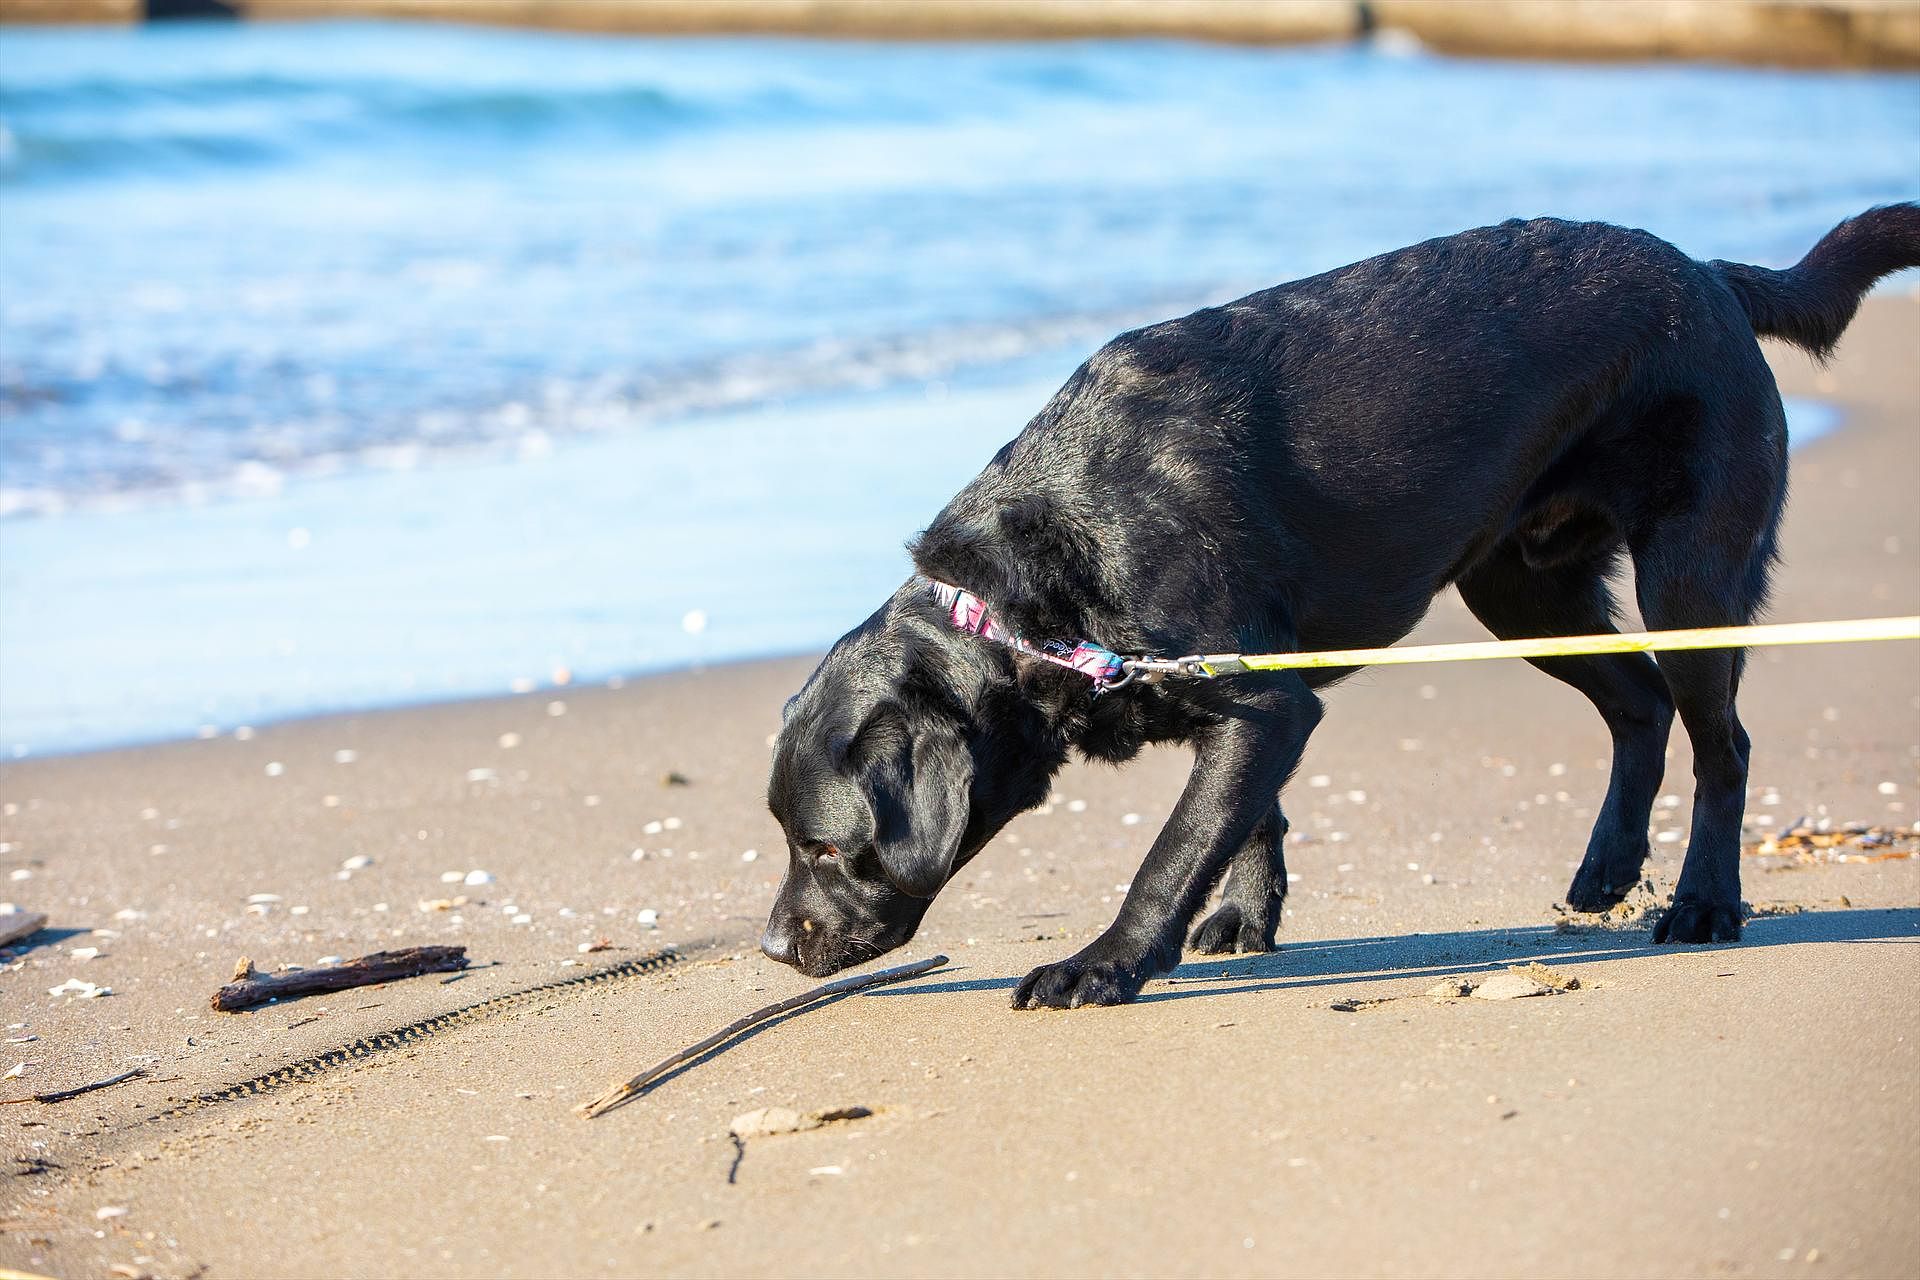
897,761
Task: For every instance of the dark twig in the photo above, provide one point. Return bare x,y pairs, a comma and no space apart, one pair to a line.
620,1092
61,1095
739,1154
249,987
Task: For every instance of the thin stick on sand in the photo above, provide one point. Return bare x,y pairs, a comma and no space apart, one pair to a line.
620,1092
61,1095
249,987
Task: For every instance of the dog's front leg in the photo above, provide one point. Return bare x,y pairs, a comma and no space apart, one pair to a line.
1239,767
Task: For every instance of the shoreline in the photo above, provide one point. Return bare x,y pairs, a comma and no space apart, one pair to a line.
1831,33
269,658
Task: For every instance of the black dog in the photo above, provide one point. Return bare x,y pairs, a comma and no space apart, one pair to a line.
1510,410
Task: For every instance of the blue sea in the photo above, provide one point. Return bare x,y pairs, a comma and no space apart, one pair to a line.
353,364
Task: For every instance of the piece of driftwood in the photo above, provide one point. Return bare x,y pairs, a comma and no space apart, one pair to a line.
61,1095
15,925
626,1089
250,987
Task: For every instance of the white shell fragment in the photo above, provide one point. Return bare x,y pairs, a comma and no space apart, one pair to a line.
1510,986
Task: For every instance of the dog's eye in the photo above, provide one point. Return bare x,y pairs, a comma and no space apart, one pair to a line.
826,853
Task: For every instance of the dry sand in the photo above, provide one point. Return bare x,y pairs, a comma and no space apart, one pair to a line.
1748,1110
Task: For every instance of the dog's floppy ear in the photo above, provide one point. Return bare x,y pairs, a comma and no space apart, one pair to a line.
916,772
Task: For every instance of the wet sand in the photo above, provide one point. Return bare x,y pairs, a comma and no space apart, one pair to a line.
1749,1110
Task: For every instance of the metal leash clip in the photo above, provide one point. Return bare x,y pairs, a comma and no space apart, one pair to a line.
1200,666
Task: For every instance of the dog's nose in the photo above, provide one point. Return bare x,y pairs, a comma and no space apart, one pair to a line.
777,943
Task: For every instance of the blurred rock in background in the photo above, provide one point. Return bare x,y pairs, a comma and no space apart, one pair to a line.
1814,33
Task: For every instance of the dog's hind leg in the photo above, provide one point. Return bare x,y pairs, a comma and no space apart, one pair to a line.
1703,562
1249,912
1678,593
1516,601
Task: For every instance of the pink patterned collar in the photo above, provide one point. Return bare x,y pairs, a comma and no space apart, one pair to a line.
969,613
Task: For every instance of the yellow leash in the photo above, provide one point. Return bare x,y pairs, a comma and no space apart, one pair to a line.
1219,664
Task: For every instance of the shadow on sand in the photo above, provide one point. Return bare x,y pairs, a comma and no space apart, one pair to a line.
1344,961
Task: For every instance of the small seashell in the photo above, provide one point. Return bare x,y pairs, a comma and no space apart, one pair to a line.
648,919
478,877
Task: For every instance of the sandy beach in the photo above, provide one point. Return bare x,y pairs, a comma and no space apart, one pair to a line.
1748,1110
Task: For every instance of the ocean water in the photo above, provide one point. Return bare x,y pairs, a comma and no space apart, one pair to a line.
349,364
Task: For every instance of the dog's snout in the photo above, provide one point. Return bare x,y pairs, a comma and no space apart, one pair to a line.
778,943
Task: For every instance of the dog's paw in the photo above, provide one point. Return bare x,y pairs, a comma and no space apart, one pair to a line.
1691,920
1083,979
1604,880
1228,930
1595,890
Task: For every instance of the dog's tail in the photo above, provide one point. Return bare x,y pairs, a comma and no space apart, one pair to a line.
1811,303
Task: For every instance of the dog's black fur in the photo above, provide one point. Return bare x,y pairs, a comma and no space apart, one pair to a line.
1509,410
